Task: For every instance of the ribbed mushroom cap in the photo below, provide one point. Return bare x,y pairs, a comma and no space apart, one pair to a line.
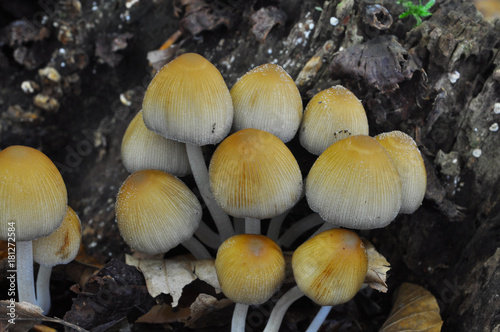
253,174
410,165
330,267
331,115
32,193
62,246
144,149
250,268
188,101
155,211
355,184
267,98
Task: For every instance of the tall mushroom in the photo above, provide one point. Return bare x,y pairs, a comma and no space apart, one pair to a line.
188,101
33,202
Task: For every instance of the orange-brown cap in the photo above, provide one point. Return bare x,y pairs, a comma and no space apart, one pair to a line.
156,211
250,268
330,267
410,165
355,184
331,115
144,149
253,174
60,247
188,101
267,98
32,193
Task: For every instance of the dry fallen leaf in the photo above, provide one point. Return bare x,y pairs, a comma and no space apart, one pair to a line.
171,276
415,309
377,268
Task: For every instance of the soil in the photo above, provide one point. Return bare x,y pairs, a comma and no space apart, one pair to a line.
73,75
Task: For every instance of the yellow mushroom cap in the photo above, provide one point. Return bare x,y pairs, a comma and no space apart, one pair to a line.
355,184
331,115
62,246
410,165
267,98
330,268
250,268
32,193
253,174
156,211
144,149
188,101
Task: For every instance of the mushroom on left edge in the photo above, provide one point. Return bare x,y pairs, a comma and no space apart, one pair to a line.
33,202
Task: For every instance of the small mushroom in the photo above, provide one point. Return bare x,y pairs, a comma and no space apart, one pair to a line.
329,268
250,269
60,247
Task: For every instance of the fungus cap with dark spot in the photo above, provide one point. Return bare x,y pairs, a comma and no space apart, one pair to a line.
331,115
188,101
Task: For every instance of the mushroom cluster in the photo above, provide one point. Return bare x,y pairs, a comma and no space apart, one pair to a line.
357,182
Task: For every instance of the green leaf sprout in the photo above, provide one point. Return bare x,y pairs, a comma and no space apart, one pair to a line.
417,11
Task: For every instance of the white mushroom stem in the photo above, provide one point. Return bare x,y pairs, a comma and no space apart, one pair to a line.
239,317
207,236
200,173
24,268
299,228
273,231
196,248
43,288
319,319
252,226
279,310
239,225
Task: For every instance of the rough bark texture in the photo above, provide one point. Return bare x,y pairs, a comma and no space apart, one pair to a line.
438,82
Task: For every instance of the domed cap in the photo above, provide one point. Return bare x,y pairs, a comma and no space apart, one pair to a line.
32,193
155,211
62,246
250,268
144,149
410,165
253,174
188,101
330,267
355,184
267,98
331,115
